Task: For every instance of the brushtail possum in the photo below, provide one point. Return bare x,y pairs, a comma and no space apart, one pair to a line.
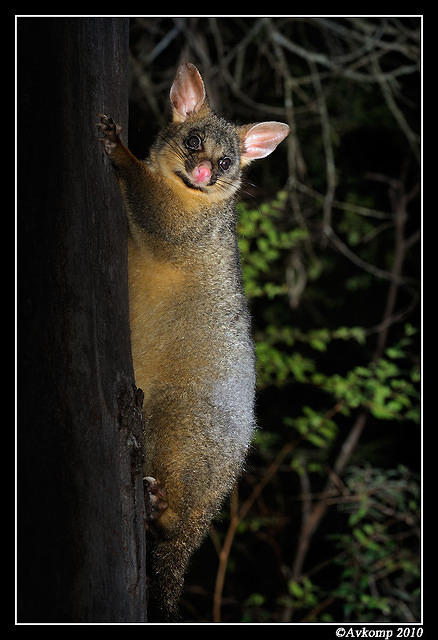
190,328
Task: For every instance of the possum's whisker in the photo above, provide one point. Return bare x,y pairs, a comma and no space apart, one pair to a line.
174,147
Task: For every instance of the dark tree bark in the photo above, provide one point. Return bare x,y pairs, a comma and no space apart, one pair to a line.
81,540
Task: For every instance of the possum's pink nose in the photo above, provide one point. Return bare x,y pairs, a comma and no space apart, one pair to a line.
202,173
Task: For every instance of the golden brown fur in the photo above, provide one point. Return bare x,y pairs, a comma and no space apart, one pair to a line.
190,328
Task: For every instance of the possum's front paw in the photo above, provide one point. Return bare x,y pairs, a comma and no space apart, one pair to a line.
155,497
109,131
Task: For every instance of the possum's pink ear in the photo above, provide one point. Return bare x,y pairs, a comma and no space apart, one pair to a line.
187,93
259,140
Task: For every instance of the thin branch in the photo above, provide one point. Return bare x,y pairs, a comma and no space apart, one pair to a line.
372,38
164,42
359,262
396,317
237,516
296,163
259,106
323,60
398,199
345,206
328,150
309,527
243,42
318,608
412,137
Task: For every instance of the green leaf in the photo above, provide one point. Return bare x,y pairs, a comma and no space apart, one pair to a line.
358,515
394,352
316,440
255,600
295,589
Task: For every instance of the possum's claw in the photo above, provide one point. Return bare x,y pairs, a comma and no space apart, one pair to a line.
155,496
109,131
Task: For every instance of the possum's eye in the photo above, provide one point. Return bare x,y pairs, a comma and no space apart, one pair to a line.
193,142
225,163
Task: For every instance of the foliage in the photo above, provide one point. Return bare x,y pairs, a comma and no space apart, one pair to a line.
385,386
377,576
380,575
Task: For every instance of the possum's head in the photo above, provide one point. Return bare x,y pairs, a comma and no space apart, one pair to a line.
203,152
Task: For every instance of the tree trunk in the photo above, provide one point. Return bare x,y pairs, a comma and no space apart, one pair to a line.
81,538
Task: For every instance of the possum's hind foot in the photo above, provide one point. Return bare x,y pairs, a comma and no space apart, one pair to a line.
155,496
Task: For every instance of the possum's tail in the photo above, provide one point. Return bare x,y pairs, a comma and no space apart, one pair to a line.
168,563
